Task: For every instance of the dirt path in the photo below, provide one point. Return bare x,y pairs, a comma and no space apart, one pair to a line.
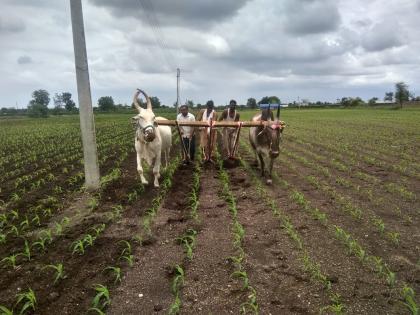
209,289
360,290
272,261
146,287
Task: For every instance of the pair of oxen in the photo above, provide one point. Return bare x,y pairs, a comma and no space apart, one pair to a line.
153,140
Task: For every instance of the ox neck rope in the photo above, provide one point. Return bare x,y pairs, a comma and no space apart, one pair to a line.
276,127
143,129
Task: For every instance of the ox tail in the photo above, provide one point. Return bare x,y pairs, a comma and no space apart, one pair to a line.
136,103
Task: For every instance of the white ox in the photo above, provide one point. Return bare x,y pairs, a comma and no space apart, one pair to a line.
151,140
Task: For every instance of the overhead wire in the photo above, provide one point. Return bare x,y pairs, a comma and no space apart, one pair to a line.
160,41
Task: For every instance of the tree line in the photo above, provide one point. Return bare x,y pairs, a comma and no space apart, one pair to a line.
63,103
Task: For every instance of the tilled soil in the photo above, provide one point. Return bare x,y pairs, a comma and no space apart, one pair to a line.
272,261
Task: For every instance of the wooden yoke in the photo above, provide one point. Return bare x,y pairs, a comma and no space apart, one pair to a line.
212,124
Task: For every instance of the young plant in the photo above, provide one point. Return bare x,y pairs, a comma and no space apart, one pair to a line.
178,280
26,251
99,229
394,237
409,300
126,249
93,203
101,299
14,230
14,214
5,311
241,274
251,305
238,233
175,306
47,235
36,220
188,241
58,228
128,258
88,240
116,211
116,271
3,238
11,260
78,247
59,271
27,300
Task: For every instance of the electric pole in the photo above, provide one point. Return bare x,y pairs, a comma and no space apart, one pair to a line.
87,124
178,75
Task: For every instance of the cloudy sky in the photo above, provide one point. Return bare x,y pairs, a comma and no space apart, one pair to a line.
312,49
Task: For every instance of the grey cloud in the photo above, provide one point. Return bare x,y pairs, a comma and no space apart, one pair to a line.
181,13
24,60
11,24
382,36
311,17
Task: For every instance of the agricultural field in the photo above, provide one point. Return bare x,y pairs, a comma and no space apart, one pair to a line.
338,231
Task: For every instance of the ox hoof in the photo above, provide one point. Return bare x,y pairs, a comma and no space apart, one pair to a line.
269,181
156,185
144,182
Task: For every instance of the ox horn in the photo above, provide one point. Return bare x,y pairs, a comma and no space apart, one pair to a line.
136,103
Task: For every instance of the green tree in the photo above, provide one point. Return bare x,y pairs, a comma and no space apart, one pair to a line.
155,102
372,101
351,102
41,97
401,93
269,100
190,103
58,101
106,103
69,104
389,96
251,103
38,106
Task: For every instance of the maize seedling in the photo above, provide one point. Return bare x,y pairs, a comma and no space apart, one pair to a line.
59,271
101,299
116,271
28,299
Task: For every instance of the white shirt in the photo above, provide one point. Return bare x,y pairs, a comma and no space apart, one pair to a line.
186,131
207,118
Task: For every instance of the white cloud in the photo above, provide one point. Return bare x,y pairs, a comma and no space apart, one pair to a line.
225,48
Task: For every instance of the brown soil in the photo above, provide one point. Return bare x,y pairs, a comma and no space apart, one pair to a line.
272,261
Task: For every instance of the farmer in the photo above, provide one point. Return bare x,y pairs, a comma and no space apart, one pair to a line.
207,141
229,114
187,133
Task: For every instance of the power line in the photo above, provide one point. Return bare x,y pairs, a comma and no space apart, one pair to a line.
153,22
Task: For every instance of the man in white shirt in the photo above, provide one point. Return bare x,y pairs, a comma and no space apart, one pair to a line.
187,133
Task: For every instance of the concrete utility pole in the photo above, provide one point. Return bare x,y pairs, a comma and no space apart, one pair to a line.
178,75
87,124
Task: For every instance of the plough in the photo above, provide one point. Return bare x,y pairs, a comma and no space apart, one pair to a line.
212,125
